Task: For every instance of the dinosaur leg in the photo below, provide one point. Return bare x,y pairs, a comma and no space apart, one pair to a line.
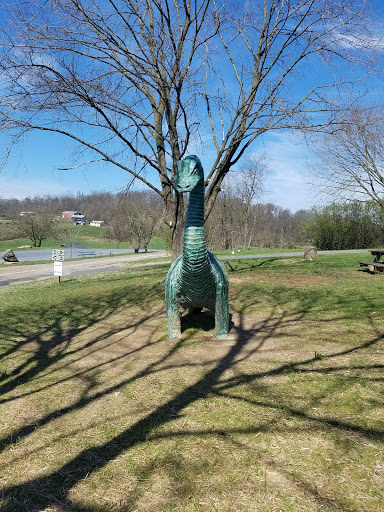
221,311
173,317
174,326
172,288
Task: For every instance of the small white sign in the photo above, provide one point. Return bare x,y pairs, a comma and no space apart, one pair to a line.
57,268
58,254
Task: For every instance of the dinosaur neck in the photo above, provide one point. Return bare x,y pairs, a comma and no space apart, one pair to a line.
195,249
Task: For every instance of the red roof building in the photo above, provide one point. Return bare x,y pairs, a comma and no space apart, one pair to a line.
68,214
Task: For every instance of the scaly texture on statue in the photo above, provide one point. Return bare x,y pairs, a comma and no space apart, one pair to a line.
196,279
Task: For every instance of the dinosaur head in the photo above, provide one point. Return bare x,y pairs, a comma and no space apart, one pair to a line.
188,173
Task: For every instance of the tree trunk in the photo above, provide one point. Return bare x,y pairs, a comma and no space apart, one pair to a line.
178,238
175,214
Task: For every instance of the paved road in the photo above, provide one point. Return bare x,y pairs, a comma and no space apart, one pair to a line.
281,255
46,254
14,274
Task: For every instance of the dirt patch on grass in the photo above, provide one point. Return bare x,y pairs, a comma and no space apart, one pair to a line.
285,414
291,281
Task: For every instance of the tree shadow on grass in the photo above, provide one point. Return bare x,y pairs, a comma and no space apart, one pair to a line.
46,335
201,321
38,494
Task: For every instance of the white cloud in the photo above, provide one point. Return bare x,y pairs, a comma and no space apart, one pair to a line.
287,187
287,182
373,42
21,188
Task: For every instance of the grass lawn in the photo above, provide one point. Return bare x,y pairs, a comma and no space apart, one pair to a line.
89,236
99,412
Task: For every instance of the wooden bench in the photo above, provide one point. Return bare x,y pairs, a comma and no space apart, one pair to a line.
372,265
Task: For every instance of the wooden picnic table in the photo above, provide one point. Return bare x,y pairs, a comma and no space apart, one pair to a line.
87,253
375,264
377,253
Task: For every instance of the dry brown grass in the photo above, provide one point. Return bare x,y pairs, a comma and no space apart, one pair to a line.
285,415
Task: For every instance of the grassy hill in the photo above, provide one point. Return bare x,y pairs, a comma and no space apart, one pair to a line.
90,236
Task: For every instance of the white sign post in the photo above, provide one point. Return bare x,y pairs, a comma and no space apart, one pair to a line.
57,268
58,254
58,258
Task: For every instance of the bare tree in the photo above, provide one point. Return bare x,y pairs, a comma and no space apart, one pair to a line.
117,218
135,83
7,231
135,216
37,227
249,188
67,233
145,215
353,158
223,225
232,222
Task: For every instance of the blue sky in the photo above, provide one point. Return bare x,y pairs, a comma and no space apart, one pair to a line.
34,168
35,171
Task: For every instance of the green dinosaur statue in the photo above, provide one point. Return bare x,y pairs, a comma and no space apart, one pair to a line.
196,279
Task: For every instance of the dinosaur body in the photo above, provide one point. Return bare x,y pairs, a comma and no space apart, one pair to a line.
196,279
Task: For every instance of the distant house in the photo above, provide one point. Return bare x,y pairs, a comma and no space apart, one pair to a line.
68,214
79,220
97,223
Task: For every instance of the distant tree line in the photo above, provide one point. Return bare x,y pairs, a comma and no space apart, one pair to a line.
94,205
238,220
232,225
352,225
135,216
